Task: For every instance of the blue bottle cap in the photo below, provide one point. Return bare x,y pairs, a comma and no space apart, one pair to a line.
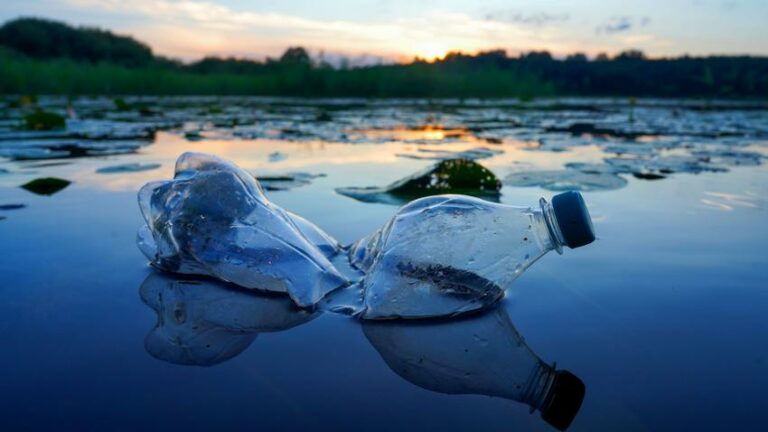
573,219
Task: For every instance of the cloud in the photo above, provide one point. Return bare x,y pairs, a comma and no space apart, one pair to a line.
536,19
191,28
621,24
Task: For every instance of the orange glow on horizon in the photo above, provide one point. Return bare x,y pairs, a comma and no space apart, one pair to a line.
431,51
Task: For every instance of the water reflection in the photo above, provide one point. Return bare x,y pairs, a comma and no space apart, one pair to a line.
483,354
204,322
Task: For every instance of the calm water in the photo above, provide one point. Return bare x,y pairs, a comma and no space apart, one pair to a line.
663,318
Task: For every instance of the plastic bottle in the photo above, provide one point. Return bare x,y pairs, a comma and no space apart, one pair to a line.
213,219
437,256
450,254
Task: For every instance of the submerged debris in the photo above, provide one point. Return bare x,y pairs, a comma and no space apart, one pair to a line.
457,176
46,186
128,168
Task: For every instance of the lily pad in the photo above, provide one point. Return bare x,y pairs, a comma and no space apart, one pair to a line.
43,120
473,153
323,116
287,181
664,165
6,207
46,186
455,176
122,105
64,149
566,179
193,135
277,157
128,168
730,157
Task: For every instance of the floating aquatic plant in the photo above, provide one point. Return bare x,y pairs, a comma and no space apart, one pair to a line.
46,186
44,120
459,176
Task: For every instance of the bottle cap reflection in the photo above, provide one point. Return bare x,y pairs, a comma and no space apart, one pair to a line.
482,354
205,322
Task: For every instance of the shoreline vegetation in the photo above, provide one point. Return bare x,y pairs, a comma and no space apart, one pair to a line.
47,57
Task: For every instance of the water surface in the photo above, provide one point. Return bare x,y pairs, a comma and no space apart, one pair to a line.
663,317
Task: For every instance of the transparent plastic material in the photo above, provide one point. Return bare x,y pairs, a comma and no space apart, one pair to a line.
483,354
437,256
204,322
449,254
214,219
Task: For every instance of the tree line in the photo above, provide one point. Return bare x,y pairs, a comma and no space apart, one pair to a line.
34,50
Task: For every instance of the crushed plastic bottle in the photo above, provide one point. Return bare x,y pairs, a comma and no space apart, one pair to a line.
438,256
483,354
450,254
214,219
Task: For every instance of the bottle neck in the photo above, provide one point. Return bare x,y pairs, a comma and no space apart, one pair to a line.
537,391
548,214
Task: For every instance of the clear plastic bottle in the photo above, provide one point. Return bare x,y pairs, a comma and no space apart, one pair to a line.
483,354
438,256
213,219
450,254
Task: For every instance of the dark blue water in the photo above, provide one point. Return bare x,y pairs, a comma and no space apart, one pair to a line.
663,318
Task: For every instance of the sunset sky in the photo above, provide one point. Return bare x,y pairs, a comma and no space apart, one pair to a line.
401,29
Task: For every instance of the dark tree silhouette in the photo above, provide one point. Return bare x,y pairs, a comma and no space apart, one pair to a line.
40,38
295,55
490,73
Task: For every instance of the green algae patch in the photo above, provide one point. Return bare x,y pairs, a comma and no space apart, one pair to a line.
46,186
44,120
454,176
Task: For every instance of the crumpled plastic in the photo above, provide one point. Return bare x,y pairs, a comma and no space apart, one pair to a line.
213,219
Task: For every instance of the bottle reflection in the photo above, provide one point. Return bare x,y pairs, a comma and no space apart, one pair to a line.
482,354
204,322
